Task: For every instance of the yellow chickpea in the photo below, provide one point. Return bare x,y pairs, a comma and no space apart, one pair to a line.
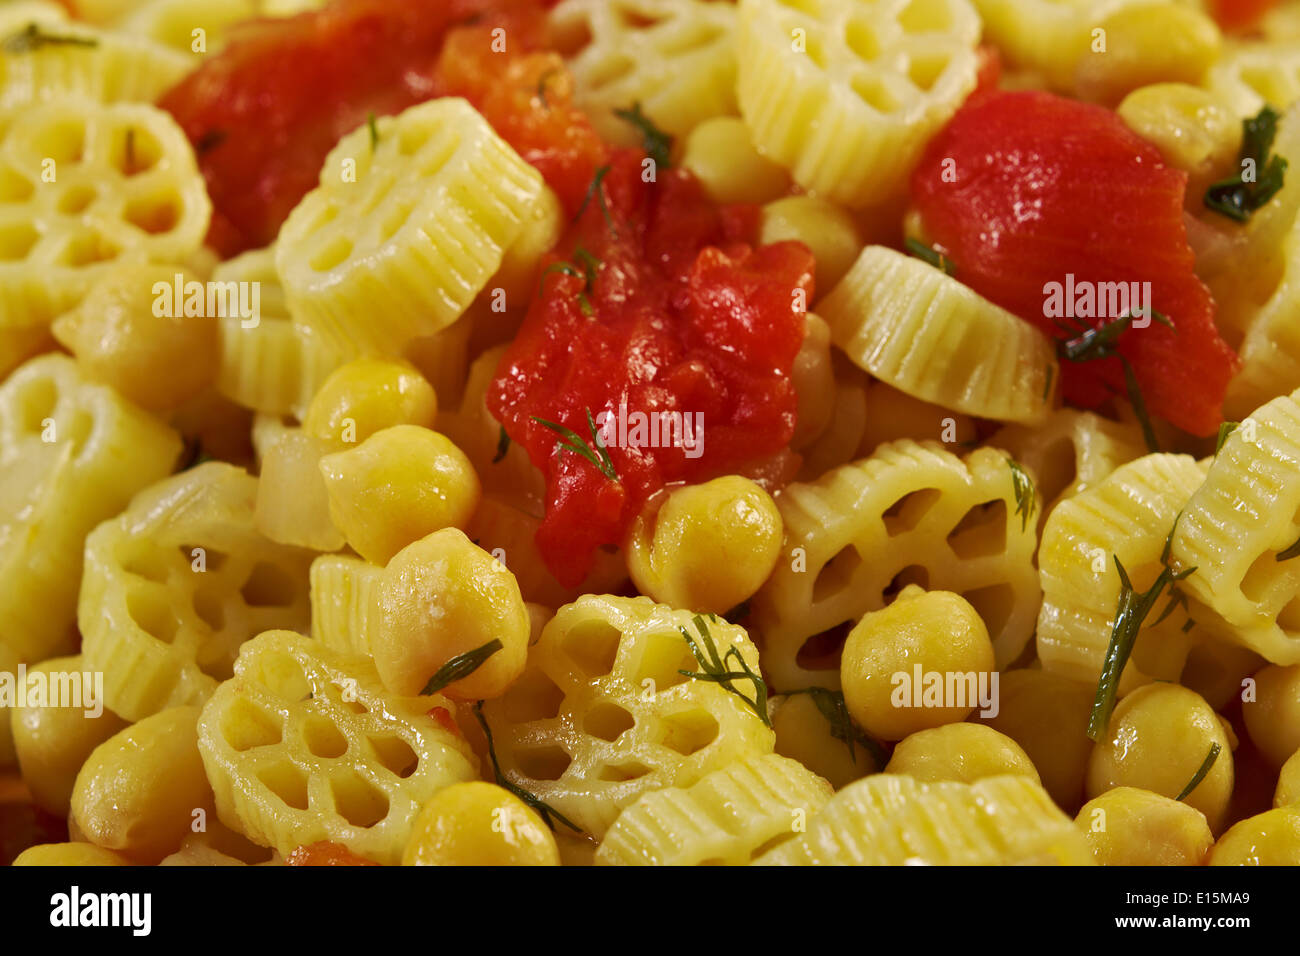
823,227
442,597
709,547
1131,827
959,752
137,792
1273,717
366,396
69,854
803,733
1148,43
1047,715
1271,838
52,743
1159,735
397,486
938,631
723,158
156,361
1288,783
479,824
892,415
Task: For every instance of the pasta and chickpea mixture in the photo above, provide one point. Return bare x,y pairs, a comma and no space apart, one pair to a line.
788,432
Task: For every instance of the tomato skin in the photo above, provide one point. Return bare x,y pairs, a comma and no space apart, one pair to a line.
1240,14
326,853
1047,186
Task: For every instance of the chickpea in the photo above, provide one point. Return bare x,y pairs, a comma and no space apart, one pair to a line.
1271,838
1131,827
823,227
69,854
366,396
1288,783
479,824
723,158
1273,717
959,752
804,734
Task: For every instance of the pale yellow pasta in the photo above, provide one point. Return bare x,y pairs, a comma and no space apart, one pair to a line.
813,377
928,335
1251,75
721,155
804,733
602,715
892,415
86,185
17,345
188,26
402,233
1197,131
1127,516
827,230
911,513
727,818
292,501
840,438
303,745
344,603
893,820
1270,352
176,583
675,57
1236,526
845,93
71,455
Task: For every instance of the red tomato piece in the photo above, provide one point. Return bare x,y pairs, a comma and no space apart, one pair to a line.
682,316
326,853
1240,14
1046,187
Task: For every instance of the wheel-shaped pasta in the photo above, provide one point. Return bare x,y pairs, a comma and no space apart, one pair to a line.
173,23
412,217
176,583
928,335
677,58
725,819
845,93
1239,531
71,455
602,714
893,820
303,744
910,514
1270,352
1127,516
83,185
1252,75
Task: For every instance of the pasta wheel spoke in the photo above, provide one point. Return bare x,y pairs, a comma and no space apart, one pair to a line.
304,745
177,583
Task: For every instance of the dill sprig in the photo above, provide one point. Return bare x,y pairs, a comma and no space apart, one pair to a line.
503,445
460,667
656,143
714,668
1025,492
937,259
836,711
1225,429
1237,198
34,38
1047,385
1201,771
586,269
1289,553
596,453
192,455
596,189
372,124
544,809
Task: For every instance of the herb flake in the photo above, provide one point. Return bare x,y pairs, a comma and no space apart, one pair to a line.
544,809
1202,772
597,190
1026,494
1237,198
503,445
596,453
1289,553
460,667
656,143
1226,429
835,710
33,38
937,259
714,668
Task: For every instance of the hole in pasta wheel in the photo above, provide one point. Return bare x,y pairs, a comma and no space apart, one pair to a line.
812,8
534,696
926,16
981,532
571,37
662,656
142,561
352,706
607,721
152,613
210,609
908,511
155,215
925,69
358,801
836,575
620,772
862,40
815,50
17,240
873,91
1260,79
543,763
244,726
287,782
76,199
394,220
282,676
322,737
79,430
36,402
135,150
696,36
593,647
269,585
632,18
87,248
822,651
610,70
14,186
912,574
446,146
334,254
1289,617
412,137
692,731
395,754
993,604
1266,577
63,141
771,844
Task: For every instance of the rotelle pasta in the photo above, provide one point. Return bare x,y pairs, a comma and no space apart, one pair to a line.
649,432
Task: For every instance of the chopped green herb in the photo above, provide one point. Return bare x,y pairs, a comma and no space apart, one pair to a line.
1201,771
545,810
1226,429
835,710
34,38
932,256
503,445
714,668
209,141
541,85
1047,385
460,667
1236,197
589,267
597,190
596,453
656,143
129,151
193,455
372,124
1289,553
1026,494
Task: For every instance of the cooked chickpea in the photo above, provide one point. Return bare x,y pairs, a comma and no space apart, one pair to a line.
723,158
1273,717
366,396
710,546
69,854
1159,736
52,743
892,415
1148,43
441,597
479,824
137,792
397,486
1131,827
1268,839
803,733
156,361
1288,783
823,227
959,752
937,630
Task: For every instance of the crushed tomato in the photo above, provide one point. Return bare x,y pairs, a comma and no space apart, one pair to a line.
326,853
